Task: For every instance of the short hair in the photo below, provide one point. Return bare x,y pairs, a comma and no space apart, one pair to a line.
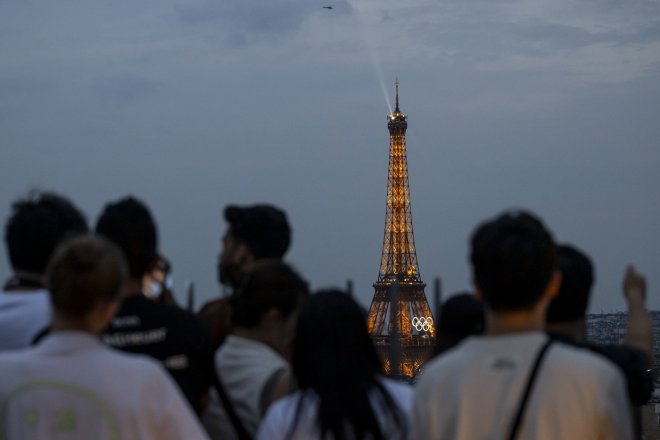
85,271
461,316
577,277
264,229
36,226
267,284
513,258
129,224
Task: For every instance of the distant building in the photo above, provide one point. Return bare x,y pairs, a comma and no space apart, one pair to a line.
610,328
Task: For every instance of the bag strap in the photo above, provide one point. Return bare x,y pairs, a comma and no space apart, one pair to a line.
229,408
528,389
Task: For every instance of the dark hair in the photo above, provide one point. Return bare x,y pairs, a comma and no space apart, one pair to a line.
267,284
333,356
84,272
37,225
128,224
513,258
576,279
264,229
462,315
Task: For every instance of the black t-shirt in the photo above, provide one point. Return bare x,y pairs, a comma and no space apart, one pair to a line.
632,362
169,334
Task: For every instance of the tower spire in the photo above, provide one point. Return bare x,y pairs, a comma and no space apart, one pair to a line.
396,108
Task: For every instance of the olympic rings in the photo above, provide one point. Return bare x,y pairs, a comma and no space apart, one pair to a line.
423,323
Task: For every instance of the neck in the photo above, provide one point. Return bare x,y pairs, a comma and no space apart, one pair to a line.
64,323
499,323
256,334
576,329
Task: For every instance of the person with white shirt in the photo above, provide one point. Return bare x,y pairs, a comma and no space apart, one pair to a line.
72,386
342,391
514,382
36,226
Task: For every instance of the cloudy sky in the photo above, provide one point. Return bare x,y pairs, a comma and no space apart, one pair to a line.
548,105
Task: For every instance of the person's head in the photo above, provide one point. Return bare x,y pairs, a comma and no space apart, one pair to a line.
129,224
577,276
334,357
332,343
85,278
36,226
268,301
461,316
254,233
513,262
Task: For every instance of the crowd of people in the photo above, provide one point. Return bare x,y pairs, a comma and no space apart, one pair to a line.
86,353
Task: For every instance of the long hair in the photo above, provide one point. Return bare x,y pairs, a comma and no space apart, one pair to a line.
334,358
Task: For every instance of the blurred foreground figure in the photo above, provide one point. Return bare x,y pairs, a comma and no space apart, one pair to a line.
252,365
37,225
513,382
567,314
165,332
343,394
567,317
254,233
71,385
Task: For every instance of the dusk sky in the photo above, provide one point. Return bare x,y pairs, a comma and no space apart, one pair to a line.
190,105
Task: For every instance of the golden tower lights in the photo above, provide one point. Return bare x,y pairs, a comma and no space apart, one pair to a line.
400,320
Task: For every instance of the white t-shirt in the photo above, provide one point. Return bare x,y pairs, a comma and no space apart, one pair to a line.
72,386
22,316
244,366
279,419
473,391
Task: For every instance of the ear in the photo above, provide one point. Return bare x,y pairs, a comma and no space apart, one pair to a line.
552,290
242,255
271,316
476,291
105,313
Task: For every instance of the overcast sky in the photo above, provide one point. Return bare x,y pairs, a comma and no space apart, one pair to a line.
547,105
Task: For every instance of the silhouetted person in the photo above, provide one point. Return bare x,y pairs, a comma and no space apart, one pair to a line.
343,393
253,362
254,233
165,332
35,227
461,316
478,389
71,385
567,316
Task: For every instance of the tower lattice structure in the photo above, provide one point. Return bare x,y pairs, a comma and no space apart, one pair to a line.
400,320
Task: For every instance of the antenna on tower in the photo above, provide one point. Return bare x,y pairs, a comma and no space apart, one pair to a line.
396,108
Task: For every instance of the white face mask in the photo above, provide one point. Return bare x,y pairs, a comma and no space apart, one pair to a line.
155,288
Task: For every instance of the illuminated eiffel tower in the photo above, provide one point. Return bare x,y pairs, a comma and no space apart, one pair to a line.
400,320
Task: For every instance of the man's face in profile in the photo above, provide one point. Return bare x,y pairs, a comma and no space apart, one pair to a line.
233,257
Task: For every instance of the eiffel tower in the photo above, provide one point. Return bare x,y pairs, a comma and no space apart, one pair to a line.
400,321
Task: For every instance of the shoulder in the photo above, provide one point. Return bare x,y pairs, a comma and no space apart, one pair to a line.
280,416
582,358
581,369
397,389
401,393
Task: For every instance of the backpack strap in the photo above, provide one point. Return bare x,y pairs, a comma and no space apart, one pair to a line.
229,409
515,426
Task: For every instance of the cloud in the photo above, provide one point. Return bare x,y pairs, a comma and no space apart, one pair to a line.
245,20
124,89
600,63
